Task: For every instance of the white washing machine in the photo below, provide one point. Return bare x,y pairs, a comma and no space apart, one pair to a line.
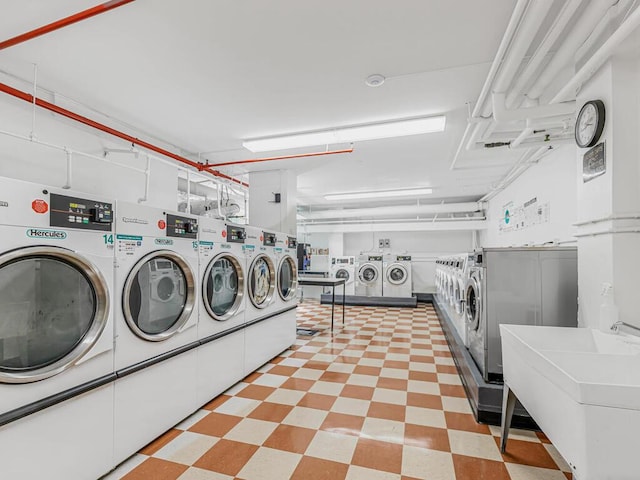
221,323
396,276
155,322
344,267
369,275
271,288
56,333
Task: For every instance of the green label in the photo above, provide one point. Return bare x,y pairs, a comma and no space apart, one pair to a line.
278,249
47,234
163,241
206,244
128,237
108,239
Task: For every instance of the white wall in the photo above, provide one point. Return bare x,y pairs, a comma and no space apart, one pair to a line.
263,211
552,182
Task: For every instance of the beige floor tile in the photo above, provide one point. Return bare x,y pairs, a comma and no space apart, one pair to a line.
422,367
524,472
383,430
377,348
332,446
285,396
444,361
238,406
352,353
341,367
305,417
474,445
394,373
361,473
427,417
323,357
386,395
431,464
308,373
327,388
251,431
199,474
449,378
439,348
269,380
417,386
186,448
371,362
351,406
398,357
456,404
363,380
293,362
270,464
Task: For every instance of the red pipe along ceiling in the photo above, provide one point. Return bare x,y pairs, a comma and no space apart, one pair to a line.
284,157
27,97
77,17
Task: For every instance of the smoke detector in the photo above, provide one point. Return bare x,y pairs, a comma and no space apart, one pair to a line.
375,80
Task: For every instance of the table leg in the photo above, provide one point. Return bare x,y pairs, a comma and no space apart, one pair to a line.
333,303
508,404
344,294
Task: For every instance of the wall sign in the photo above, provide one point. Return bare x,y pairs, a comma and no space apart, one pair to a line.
594,163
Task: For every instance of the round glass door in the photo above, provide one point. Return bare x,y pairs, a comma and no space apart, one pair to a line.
472,301
223,287
262,281
368,273
54,304
287,278
342,273
159,295
396,274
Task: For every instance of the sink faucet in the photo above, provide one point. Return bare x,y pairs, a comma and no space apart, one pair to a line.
616,326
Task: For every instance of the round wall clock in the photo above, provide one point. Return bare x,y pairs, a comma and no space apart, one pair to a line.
590,123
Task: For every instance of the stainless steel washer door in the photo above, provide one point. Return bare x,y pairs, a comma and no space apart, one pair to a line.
54,305
159,295
287,278
397,274
262,281
473,303
223,287
368,273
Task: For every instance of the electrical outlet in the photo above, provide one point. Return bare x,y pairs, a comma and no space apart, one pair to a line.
381,243
387,243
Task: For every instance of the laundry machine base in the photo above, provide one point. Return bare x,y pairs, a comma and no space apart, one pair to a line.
69,441
151,401
268,338
220,366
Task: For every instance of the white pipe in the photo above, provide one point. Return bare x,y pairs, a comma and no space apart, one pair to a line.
147,181
597,60
609,218
541,52
520,138
501,114
479,131
592,14
460,145
394,210
412,226
609,231
67,184
188,191
219,196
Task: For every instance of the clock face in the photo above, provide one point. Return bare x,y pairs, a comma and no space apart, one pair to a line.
590,123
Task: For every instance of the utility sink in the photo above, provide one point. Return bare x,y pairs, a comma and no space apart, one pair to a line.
582,386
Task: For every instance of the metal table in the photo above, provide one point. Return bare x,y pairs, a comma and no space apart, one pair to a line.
327,282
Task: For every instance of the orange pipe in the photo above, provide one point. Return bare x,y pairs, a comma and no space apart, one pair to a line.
285,157
27,97
90,12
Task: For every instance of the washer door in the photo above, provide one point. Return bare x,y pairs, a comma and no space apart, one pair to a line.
54,305
397,274
223,287
287,278
343,273
262,281
159,295
473,303
368,273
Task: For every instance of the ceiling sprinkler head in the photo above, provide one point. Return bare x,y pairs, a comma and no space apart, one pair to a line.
375,80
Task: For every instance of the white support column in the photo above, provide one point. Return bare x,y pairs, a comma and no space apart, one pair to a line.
263,209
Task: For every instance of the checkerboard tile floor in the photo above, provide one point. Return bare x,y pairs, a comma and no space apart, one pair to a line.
379,399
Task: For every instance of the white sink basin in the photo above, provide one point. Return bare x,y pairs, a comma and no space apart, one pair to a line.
582,387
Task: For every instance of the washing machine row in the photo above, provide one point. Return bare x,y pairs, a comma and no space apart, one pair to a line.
452,273
89,375
378,275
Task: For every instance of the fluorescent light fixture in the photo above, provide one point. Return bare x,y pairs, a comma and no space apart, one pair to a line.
379,194
401,128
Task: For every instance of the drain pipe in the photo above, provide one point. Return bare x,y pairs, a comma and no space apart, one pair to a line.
188,191
592,65
219,195
67,184
147,181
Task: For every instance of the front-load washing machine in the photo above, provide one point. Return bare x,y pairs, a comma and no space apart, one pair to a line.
396,276
345,267
286,271
220,327
369,275
156,323
271,326
56,333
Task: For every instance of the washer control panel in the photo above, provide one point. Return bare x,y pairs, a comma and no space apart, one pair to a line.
182,227
235,234
83,213
269,239
292,242
403,258
375,258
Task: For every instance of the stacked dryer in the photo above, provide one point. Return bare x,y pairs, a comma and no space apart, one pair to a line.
56,333
156,318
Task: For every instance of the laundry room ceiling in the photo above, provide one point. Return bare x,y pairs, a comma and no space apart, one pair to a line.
205,75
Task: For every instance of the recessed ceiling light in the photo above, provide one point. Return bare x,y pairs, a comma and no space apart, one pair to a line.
409,192
396,128
375,80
